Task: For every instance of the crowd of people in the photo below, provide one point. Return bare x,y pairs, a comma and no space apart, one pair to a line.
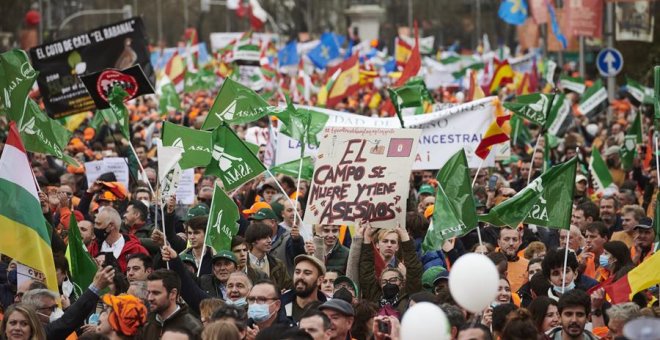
157,278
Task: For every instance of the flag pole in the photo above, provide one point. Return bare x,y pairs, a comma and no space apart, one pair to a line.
144,173
531,163
206,233
473,182
279,186
300,164
563,278
477,173
159,201
657,159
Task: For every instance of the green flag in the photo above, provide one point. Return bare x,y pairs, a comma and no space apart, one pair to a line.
535,107
201,80
600,174
235,104
196,144
103,117
592,97
42,134
559,117
632,138
408,95
291,168
463,71
16,79
81,264
222,224
573,84
641,93
232,161
118,109
656,98
300,123
454,213
520,134
547,201
169,100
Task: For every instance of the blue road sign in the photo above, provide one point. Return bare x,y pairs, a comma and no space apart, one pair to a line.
609,62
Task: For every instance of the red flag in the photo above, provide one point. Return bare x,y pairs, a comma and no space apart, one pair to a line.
414,63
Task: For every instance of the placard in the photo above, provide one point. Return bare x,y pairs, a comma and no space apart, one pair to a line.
185,193
116,165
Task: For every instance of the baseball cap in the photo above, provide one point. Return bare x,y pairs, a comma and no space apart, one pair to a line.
644,223
264,214
580,177
430,275
338,305
612,150
256,207
197,210
345,279
320,265
186,257
442,276
426,189
225,254
106,196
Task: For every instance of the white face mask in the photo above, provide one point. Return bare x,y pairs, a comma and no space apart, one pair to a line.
56,314
67,288
146,203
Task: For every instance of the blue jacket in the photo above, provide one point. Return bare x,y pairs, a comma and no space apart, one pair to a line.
430,258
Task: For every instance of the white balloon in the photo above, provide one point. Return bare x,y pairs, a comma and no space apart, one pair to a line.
473,282
424,321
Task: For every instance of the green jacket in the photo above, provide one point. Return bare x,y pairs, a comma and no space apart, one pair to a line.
337,258
277,272
369,283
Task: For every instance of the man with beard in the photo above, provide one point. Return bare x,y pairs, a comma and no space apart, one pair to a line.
164,286
644,236
609,213
574,309
584,214
509,242
307,278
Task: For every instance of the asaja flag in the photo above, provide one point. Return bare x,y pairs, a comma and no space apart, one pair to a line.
301,123
291,168
196,144
25,235
202,80
409,95
592,98
560,117
632,138
169,100
45,135
231,160
81,265
222,224
570,83
118,109
235,104
16,79
600,174
534,107
454,213
547,201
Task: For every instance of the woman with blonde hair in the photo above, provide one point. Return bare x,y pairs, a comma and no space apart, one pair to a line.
221,330
20,322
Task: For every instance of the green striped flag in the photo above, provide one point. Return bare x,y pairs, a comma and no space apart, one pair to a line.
16,79
25,234
593,97
632,138
81,265
573,84
222,225
641,93
600,174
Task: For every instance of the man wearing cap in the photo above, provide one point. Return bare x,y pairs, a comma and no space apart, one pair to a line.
285,245
631,215
345,283
341,316
644,236
215,284
267,190
307,279
580,187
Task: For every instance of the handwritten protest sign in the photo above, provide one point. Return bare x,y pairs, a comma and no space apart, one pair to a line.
362,174
116,165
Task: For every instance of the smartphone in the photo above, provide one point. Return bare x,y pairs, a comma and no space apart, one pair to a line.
384,327
492,182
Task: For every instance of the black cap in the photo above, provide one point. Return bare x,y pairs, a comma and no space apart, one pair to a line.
338,305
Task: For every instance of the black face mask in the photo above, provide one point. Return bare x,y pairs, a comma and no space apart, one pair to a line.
12,277
343,294
390,290
101,234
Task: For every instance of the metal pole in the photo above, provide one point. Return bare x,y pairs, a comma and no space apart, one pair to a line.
478,23
159,19
581,58
609,40
185,14
410,14
544,44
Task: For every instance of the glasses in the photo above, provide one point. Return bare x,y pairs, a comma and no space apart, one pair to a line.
393,280
259,299
49,308
69,194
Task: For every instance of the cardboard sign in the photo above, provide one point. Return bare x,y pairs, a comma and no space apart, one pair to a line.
362,174
132,80
116,165
119,45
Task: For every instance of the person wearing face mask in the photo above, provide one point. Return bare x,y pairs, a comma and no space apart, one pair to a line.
238,287
615,259
553,270
264,302
58,324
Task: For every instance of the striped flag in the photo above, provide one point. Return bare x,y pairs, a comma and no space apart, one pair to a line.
494,135
600,174
20,213
503,75
402,51
643,276
413,64
474,90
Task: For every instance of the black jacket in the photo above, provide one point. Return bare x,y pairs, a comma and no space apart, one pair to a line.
182,318
73,317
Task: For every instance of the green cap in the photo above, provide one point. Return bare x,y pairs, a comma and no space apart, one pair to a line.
264,214
225,254
187,257
197,210
345,279
430,275
478,203
426,189
277,209
512,159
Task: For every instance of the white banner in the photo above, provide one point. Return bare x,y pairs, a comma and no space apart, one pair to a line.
116,165
222,39
362,174
443,133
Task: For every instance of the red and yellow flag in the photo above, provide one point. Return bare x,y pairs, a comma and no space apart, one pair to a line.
503,75
402,51
642,277
494,135
474,90
347,82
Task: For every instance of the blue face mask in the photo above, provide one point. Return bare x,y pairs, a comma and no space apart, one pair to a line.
238,303
568,288
258,312
603,260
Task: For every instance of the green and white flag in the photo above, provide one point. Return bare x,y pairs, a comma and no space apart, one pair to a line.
454,213
632,138
202,80
600,174
641,93
573,84
222,224
560,117
550,67
534,107
408,95
196,144
547,201
42,134
300,122
235,104
290,168
81,264
118,109
593,97
169,100
232,161
16,79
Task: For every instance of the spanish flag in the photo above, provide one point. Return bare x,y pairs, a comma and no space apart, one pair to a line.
402,51
642,277
348,81
175,69
503,75
413,64
474,90
494,135
25,235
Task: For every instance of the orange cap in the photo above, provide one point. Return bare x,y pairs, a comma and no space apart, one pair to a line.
117,189
256,207
128,313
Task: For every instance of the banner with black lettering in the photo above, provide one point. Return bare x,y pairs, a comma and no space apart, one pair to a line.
60,63
362,174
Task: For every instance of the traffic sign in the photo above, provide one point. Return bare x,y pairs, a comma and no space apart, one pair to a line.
609,62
